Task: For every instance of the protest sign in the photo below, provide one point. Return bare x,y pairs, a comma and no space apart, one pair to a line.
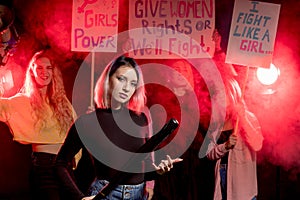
171,28
252,33
94,25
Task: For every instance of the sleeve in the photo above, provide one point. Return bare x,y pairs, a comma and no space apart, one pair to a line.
149,134
215,151
63,165
150,184
150,175
252,130
4,109
249,124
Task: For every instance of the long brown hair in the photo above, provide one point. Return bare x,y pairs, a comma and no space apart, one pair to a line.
56,94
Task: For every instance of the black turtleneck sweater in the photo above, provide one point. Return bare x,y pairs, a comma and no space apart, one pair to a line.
111,137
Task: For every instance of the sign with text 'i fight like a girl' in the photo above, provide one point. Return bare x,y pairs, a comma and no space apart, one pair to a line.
252,33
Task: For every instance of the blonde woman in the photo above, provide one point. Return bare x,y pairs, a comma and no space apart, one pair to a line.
235,141
40,115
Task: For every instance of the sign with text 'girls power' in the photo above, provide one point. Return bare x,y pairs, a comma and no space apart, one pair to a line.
252,33
94,25
171,28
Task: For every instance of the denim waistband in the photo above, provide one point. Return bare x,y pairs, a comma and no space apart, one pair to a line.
223,166
128,191
137,186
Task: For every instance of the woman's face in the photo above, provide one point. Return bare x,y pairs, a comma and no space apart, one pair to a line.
42,71
122,85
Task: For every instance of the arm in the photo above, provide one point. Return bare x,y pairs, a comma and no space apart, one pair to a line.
63,166
149,176
252,131
153,143
4,109
216,151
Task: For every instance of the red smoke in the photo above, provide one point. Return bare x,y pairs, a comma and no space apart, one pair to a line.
42,23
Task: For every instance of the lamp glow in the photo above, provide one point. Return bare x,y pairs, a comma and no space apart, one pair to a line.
268,76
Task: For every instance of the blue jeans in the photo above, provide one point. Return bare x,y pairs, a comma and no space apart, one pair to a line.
121,192
223,177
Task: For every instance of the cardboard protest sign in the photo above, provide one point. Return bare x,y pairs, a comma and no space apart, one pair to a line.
171,28
94,25
252,33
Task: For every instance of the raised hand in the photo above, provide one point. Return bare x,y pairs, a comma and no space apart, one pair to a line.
231,142
166,165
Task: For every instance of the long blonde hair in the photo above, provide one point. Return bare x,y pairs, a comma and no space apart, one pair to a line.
56,94
137,101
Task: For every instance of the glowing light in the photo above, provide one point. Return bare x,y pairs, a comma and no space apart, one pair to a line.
268,76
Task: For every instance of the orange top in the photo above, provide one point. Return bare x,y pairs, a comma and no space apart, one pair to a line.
17,113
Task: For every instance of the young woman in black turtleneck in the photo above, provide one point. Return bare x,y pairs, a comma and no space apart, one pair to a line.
112,134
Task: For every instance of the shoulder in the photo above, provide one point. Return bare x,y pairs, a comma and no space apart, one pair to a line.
15,103
19,98
91,116
85,122
140,118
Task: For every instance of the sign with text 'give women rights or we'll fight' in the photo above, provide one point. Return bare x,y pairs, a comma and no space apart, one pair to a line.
94,25
252,33
171,28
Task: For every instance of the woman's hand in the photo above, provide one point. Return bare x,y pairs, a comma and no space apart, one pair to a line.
166,165
231,142
150,192
88,198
